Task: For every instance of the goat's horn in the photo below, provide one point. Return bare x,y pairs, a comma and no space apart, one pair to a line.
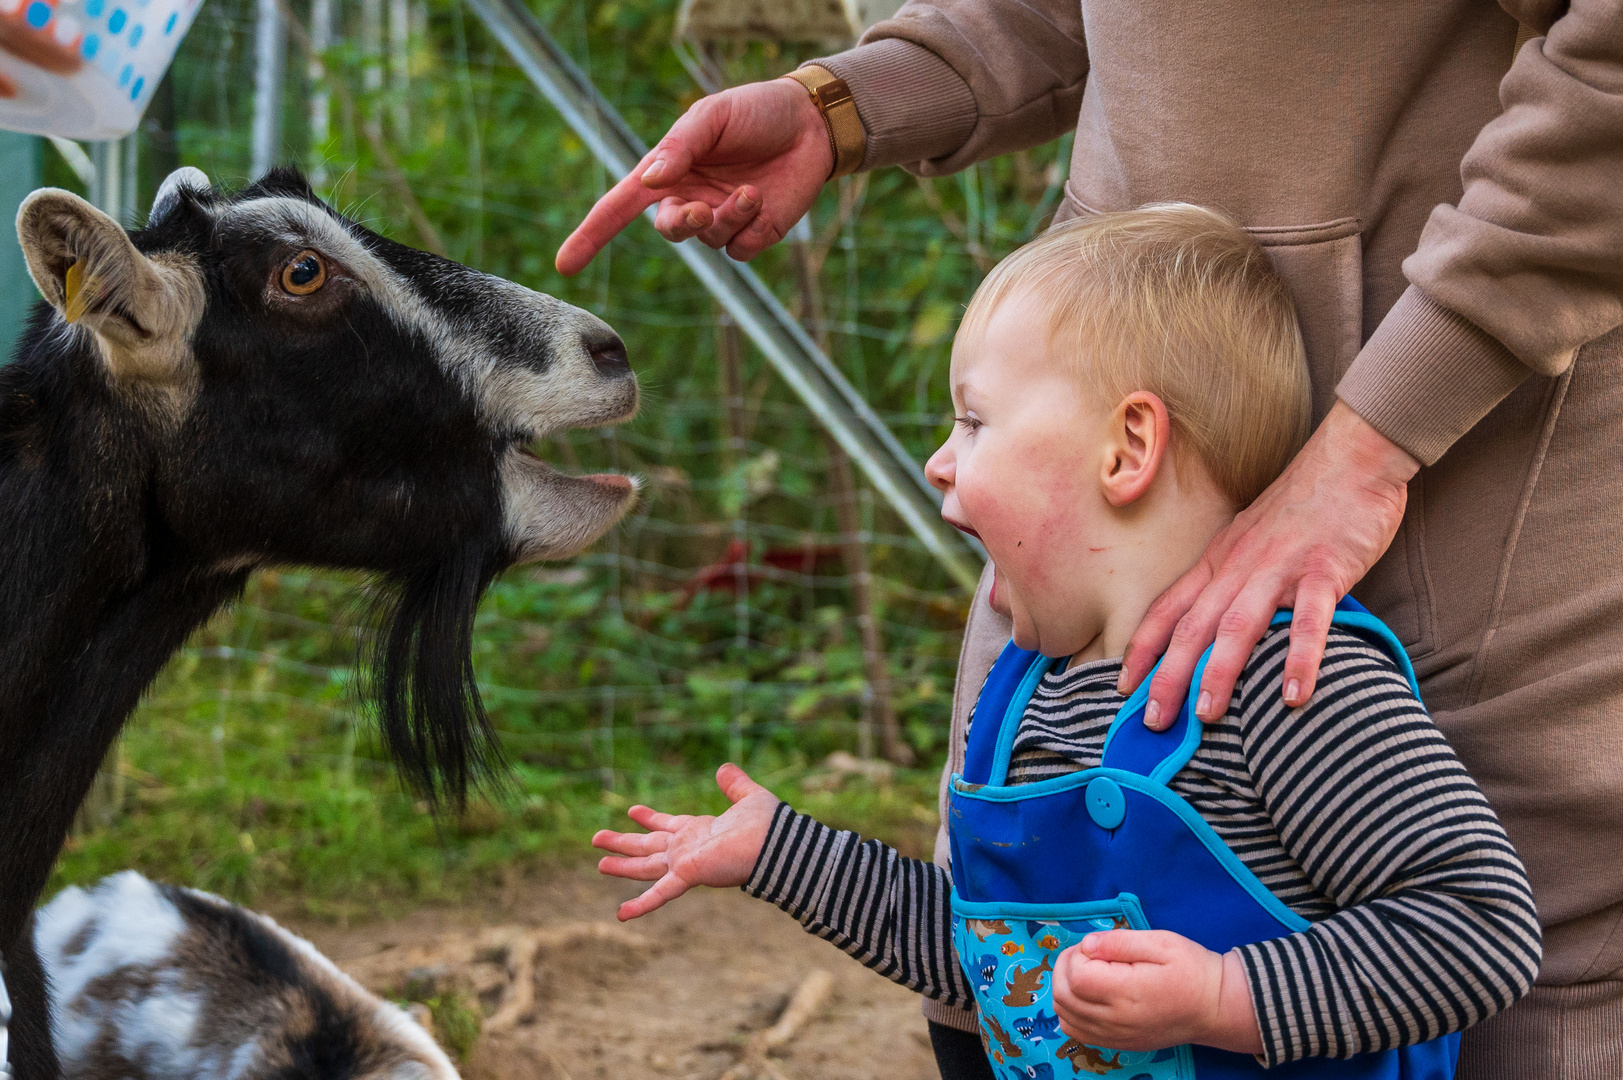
169,191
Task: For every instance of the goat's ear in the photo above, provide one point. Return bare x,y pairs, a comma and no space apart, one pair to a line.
84,265
186,177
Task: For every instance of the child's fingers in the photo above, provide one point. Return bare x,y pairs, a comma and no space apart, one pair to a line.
1078,995
735,783
640,868
1097,983
1131,946
649,818
665,890
631,843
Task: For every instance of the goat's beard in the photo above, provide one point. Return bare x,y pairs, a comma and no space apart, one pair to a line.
420,679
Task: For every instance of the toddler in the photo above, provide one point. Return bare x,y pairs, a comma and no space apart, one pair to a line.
1320,891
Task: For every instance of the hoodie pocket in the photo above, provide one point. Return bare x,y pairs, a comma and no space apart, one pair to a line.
1324,266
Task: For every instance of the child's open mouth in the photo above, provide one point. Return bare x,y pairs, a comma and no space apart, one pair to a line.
961,527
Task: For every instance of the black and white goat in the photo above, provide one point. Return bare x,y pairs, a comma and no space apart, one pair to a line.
155,982
251,380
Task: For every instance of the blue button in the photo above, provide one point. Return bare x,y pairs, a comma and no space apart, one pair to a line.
1106,804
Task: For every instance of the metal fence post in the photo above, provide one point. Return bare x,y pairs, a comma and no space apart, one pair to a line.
824,389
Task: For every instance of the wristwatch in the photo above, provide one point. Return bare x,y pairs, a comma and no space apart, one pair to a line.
839,109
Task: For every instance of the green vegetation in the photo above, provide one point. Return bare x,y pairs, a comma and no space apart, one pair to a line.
250,772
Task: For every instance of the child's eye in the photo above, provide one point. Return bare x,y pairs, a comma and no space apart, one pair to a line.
968,423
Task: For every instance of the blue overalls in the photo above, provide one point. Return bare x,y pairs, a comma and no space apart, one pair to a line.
1036,867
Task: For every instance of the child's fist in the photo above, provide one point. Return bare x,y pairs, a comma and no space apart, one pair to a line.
681,851
1148,989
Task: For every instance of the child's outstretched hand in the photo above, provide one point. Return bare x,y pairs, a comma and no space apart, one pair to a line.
681,851
1149,989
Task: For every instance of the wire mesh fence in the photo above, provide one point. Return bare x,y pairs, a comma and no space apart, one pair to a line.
759,605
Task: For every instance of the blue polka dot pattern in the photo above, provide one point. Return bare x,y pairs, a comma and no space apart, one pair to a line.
124,76
116,21
169,27
135,91
38,15
95,7
135,35
88,48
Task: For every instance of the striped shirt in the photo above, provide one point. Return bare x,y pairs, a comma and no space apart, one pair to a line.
1352,809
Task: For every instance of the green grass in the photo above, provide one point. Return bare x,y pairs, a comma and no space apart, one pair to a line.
250,772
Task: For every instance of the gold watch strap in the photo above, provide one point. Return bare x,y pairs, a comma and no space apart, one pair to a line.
833,99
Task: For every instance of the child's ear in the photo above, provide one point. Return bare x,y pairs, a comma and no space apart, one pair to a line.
1139,434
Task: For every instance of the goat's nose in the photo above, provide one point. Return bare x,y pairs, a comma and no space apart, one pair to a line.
608,355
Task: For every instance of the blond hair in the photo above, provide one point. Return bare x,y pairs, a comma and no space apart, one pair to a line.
1177,300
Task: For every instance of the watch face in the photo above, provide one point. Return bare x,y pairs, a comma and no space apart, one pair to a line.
831,94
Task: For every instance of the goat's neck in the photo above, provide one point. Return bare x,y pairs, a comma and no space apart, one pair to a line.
93,601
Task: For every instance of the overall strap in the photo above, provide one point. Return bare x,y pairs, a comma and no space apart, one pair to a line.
1158,755
1008,687
1351,615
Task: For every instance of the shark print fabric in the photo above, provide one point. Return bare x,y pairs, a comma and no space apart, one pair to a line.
1015,995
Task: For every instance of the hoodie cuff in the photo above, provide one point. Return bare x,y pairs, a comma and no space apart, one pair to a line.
1428,375
913,105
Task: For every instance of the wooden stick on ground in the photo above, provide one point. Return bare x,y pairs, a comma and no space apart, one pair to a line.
522,949
804,1004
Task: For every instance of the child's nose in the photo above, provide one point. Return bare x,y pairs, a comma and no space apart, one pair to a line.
942,468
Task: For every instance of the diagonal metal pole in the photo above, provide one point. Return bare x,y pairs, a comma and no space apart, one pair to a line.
806,368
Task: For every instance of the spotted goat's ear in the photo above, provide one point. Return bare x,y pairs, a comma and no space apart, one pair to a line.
142,310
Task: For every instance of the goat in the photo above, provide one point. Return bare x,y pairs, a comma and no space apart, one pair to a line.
155,982
250,380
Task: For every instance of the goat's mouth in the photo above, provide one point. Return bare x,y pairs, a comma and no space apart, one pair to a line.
618,481
551,515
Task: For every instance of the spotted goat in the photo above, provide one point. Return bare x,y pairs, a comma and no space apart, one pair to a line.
156,982
253,380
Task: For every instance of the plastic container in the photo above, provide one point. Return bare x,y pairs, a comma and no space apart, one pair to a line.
85,69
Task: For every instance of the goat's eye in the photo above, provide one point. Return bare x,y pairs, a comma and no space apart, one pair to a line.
304,273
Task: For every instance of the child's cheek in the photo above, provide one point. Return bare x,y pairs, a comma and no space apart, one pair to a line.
1028,523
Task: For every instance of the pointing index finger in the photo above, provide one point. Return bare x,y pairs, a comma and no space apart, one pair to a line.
618,208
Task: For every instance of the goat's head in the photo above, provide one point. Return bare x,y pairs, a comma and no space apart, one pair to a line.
313,393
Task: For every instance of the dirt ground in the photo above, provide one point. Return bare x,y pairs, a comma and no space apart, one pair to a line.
675,994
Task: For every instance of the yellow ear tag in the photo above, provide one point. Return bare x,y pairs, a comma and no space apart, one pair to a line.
78,292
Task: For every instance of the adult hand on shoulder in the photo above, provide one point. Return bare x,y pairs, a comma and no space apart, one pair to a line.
737,170
684,850
1306,541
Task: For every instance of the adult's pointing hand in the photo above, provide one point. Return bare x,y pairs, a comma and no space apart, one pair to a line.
1306,541
737,170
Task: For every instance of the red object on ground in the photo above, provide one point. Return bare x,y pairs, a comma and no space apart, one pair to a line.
733,569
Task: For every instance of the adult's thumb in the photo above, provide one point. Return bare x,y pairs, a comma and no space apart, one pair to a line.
735,783
690,139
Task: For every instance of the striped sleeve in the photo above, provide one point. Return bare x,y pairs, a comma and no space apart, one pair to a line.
889,912
1436,928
